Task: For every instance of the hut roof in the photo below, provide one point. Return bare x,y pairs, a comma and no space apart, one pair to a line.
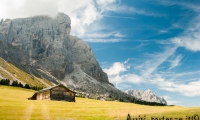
49,88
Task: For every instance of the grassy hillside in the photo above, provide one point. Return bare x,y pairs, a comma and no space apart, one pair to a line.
15,106
9,71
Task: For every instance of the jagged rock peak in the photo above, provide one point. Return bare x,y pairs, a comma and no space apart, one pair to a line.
147,95
43,45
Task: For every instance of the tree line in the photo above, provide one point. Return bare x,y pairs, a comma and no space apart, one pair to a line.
19,84
141,102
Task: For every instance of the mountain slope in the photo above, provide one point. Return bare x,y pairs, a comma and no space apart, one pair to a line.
147,95
9,71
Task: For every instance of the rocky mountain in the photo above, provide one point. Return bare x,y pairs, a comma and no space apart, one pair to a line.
147,95
42,46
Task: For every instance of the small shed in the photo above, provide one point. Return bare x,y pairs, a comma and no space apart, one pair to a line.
57,92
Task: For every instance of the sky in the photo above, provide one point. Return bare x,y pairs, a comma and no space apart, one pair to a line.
140,44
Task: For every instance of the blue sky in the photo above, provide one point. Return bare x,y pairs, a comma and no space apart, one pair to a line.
149,44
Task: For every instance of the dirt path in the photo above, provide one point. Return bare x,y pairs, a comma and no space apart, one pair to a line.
28,111
45,112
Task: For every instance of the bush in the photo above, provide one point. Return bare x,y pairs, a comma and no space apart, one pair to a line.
36,88
121,100
27,86
5,82
20,85
15,83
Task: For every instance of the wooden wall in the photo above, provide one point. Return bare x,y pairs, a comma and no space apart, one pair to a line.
44,95
57,93
61,93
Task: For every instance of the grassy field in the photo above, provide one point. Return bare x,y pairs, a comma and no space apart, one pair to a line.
15,106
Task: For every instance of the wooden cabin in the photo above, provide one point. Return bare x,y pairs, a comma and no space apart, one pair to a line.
57,92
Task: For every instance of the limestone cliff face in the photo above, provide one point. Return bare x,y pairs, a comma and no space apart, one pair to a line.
147,95
83,55
43,45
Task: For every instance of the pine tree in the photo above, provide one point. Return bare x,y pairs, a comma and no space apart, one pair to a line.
20,85
15,83
27,86
7,82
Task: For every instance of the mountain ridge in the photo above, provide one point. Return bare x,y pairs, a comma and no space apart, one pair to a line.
147,95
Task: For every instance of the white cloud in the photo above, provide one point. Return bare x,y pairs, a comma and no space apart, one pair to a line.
170,101
111,16
176,61
148,67
115,69
104,3
93,14
82,13
119,35
185,4
132,78
126,61
190,39
163,31
26,8
100,35
174,77
125,79
189,89
189,42
115,79
194,7
104,40
131,10
116,76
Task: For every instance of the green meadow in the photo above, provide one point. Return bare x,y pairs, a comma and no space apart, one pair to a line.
15,106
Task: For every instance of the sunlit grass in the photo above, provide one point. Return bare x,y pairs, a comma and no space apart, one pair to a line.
15,106
11,72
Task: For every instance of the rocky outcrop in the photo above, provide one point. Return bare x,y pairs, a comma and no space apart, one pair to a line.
43,45
146,96
83,55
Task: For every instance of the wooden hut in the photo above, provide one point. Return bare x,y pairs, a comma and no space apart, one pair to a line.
57,92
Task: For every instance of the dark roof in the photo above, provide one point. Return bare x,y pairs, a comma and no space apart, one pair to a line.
49,88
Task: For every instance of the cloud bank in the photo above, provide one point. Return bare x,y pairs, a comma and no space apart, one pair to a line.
82,13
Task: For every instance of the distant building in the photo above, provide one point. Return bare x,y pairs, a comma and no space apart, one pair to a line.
57,92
